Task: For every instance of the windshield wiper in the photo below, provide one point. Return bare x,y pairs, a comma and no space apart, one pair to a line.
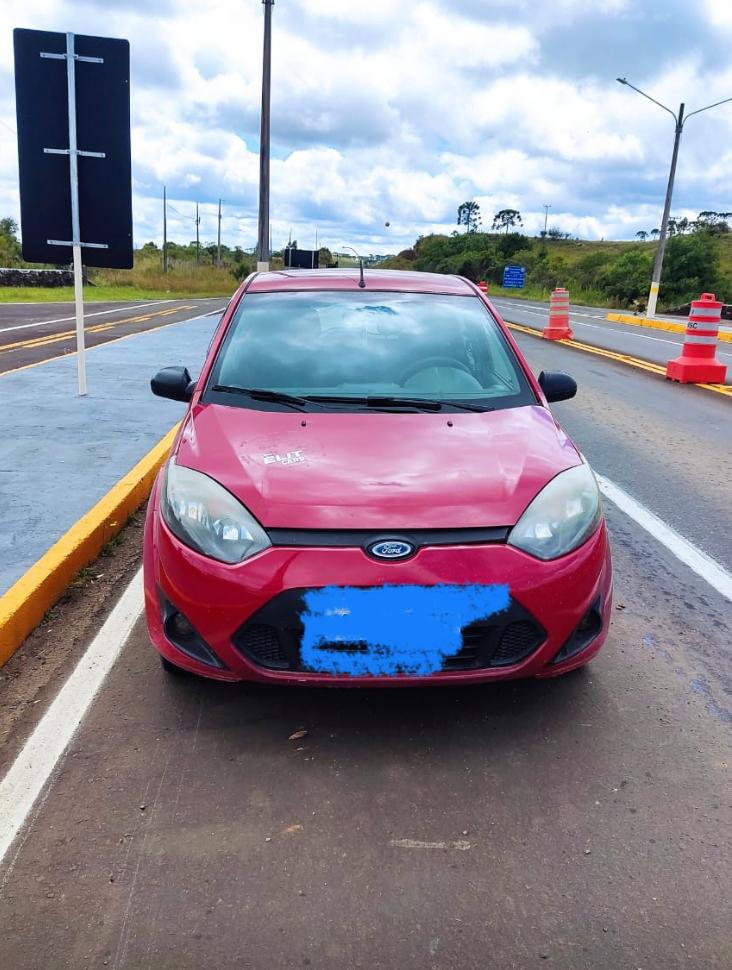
463,406
387,401
375,401
261,394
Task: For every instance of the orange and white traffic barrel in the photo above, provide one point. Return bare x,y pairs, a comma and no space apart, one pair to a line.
558,327
698,363
483,286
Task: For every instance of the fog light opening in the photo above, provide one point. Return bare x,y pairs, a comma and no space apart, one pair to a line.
585,632
183,635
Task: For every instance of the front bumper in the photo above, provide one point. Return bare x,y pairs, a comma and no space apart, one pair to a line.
248,615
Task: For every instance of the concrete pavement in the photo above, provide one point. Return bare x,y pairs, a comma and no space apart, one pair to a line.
65,452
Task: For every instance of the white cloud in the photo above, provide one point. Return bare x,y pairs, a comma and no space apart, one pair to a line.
390,112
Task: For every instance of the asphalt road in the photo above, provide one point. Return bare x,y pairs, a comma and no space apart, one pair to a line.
591,326
582,823
32,332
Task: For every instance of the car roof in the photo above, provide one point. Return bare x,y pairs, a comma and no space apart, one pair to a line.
348,279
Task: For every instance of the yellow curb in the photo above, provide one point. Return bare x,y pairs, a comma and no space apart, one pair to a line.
24,605
657,324
636,362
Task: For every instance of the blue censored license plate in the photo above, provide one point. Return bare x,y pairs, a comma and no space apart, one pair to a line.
390,630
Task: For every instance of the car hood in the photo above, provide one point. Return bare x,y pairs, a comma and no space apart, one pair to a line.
378,471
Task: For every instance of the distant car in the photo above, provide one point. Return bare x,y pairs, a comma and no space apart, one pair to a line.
368,488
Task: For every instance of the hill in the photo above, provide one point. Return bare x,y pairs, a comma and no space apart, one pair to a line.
612,273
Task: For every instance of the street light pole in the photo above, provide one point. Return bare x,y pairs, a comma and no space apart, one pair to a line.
165,232
263,244
198,238
661,248
547,207
679,121
218,243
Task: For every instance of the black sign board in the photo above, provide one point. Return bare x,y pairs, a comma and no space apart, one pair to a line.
301,258
102,88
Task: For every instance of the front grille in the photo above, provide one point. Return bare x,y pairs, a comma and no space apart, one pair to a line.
271,637
518,640
262,645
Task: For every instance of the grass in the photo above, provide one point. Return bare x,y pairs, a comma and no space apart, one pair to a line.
102,294
145,282
540,294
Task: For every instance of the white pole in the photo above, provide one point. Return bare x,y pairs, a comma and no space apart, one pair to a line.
75,225
79,301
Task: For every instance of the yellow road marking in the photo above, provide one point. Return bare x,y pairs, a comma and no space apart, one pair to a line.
634,321
23,606
645,365
72,353
97,328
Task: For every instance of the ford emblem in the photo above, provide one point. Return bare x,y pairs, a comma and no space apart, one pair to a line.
391,549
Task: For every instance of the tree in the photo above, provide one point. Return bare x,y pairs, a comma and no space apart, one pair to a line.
626,278
9,245
690,267
468,215
642,235
655,233
555,233
712,222
507,219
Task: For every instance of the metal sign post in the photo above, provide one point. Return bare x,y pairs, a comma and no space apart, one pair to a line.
93,198
73,152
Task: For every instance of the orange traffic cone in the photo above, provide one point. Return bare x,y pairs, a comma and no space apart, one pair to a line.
698,363
558,327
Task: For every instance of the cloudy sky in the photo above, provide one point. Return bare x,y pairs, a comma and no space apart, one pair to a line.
396,111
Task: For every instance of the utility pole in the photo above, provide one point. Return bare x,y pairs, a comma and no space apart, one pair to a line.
661,248
198,238
263,244
547,207
679,122
165,232
218,244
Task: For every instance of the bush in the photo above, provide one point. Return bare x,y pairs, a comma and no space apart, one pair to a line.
690,267
628,277
511,243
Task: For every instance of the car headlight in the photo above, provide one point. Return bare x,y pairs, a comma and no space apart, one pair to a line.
564,513
203,515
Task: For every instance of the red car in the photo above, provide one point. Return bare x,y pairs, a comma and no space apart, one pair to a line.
369,488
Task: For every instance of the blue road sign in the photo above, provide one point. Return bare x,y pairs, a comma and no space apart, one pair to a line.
514,277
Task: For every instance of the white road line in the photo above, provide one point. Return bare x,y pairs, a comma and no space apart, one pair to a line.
97,313
34,766
461,844
36,762
610,329
686,552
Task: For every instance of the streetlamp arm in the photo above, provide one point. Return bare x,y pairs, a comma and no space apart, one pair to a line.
622,80
699,110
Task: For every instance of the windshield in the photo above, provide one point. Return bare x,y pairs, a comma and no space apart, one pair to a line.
362,345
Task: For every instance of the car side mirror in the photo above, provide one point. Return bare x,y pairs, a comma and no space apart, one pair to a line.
174,383
557,386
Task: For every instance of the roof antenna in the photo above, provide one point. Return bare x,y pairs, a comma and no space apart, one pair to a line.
362,281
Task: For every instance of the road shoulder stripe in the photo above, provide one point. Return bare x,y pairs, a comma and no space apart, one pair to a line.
24,605
636,362
36,763
686,552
